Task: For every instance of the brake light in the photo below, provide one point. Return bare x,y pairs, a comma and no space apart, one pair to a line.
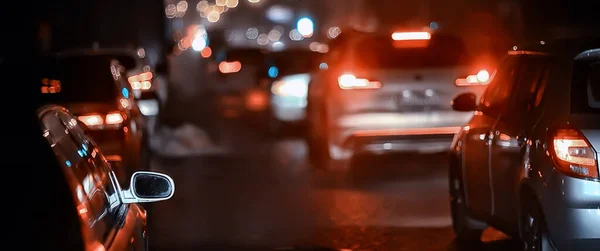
230,67
349,81
141,81
420,35
96,121
573,154
481,78
114,118
91,120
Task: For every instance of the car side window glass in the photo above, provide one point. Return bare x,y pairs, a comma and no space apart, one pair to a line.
91,187
533,76
496,96
98,165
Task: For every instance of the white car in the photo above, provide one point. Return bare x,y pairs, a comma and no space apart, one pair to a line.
288,93
389,92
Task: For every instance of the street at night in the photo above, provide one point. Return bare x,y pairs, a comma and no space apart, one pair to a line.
259,192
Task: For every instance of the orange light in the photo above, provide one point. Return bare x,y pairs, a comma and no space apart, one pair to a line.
114,118
419,35
481,78
91,120
206,52
230,67
573,154
256,101
141,81
349,81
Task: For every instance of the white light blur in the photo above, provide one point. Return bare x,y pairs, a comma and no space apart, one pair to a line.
253,1
252,33
213,16
333,32
279,14
232,3
262,39
274,35
199,43
295,35
277,46
306,27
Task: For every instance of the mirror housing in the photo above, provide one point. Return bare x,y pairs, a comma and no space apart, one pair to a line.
464,102
148,187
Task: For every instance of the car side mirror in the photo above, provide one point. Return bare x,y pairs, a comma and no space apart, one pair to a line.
148,187
464,102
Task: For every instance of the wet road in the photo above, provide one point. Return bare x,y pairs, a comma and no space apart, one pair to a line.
263,194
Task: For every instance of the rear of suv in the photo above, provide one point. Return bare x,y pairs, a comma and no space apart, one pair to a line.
390,93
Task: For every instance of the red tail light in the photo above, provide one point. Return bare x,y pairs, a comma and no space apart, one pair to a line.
481,78
142,81
573,154
95,121
349,81
230,67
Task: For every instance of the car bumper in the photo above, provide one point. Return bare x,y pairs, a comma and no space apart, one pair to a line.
572,212
395,132
288,109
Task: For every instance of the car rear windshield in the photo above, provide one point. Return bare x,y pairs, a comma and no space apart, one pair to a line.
585,88
87,78
385,53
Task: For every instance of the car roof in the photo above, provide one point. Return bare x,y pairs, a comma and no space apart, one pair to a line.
567,47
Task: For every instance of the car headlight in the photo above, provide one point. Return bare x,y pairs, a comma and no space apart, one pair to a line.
293,85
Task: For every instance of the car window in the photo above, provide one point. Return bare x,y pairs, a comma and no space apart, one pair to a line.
497,94
381,52
585,87
531,82
86,170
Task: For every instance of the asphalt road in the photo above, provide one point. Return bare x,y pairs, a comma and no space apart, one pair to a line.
263,195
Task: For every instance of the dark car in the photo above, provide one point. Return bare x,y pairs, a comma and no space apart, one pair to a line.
527,162
82,206
243,76
93,87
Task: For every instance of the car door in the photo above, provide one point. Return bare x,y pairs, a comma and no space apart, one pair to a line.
102,214
477,140
512,130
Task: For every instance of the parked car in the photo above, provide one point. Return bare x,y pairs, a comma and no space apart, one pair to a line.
527,162
81,200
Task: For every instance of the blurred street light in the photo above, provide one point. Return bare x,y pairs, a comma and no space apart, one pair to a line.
305,27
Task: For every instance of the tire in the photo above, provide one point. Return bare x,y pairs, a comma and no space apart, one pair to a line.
534,231
465,227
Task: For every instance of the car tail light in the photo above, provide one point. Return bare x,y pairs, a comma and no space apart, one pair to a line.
91,120
230,67
142,81
419,35
114,118
98,121
573,154
349,81
481,78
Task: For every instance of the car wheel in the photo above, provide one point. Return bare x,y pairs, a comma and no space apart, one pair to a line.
465,228
534,233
